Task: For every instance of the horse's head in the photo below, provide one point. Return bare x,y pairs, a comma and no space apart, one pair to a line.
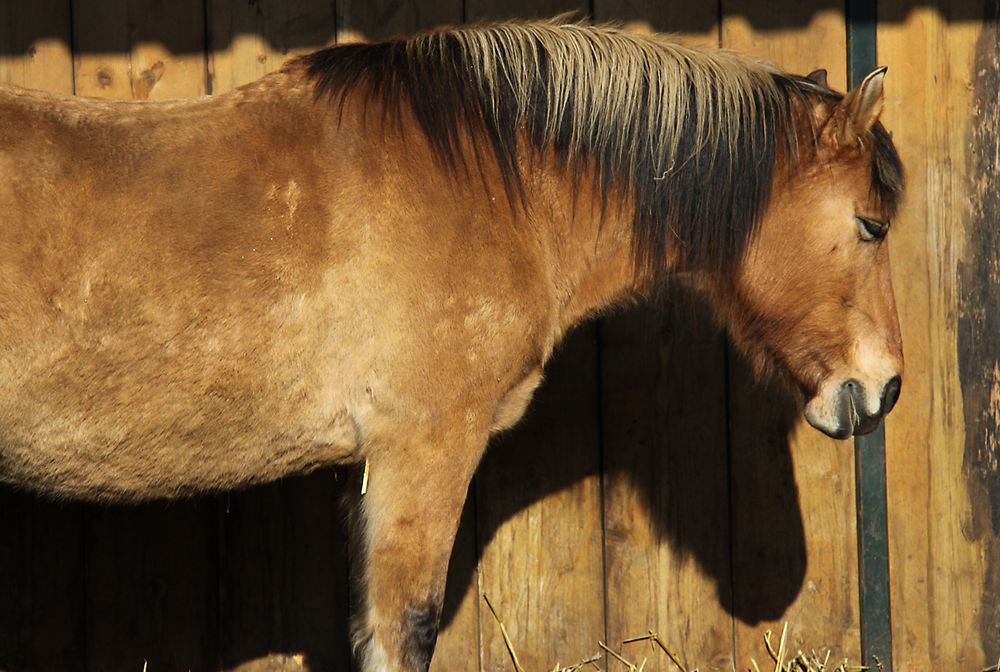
815,294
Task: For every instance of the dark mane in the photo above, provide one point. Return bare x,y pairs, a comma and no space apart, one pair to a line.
688,137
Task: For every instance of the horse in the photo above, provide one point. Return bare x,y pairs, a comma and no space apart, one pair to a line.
369,255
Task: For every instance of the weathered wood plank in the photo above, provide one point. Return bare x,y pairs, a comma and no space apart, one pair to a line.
150,582
937,558
979,324
44,63
41,543
41,584
794,541
667,481
479,10
381,19
284,577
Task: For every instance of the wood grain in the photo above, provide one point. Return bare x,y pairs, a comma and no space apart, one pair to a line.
41,584
666,482
45,62
722,514
382,19
979,323
284,577
150,583
936,564
793,523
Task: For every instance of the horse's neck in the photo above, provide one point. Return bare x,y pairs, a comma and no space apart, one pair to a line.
589,249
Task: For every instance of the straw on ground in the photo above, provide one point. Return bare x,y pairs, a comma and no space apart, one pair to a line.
800,662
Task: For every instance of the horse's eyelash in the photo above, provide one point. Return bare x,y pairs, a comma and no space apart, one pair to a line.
874,227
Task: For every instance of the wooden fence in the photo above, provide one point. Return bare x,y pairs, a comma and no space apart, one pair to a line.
654,485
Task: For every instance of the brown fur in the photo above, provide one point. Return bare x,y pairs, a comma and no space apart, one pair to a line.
202,295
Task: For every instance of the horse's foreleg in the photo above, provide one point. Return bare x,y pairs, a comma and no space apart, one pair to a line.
410,515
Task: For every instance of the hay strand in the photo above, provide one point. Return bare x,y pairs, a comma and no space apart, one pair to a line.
506,637
655,639
783,661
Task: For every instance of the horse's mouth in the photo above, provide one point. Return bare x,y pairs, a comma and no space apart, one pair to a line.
841,412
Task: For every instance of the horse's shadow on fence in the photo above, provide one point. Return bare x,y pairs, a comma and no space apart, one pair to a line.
682,418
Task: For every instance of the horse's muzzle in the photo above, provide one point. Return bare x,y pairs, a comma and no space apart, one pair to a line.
848,412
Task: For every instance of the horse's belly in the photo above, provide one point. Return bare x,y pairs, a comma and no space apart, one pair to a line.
88,430
153,464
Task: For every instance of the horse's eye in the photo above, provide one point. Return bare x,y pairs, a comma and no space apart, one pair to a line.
870,230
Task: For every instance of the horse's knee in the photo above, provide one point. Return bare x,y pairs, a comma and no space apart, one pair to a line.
420,631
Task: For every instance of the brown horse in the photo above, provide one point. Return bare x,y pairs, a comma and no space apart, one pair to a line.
371,254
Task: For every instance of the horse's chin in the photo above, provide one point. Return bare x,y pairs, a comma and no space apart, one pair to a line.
835,428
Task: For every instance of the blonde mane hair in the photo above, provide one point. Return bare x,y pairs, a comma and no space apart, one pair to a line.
687,137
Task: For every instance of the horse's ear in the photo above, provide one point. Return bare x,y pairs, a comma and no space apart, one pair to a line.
818,77
861,108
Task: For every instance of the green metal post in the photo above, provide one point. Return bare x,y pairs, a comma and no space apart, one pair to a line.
869,450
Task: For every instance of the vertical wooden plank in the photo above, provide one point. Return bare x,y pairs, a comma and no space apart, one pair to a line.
794,541
250,39
151,570
35,45
979,324
539,504
41,584
41,543
151,579
667,481
937,561
692,24
284,577
383,19
481,10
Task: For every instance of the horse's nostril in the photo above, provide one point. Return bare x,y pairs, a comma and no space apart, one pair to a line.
890,393
851,386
